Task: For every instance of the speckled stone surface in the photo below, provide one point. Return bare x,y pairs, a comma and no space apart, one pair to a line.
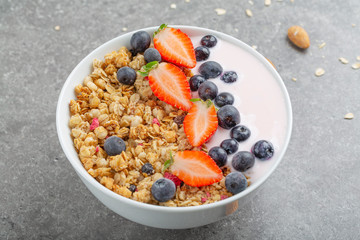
314,193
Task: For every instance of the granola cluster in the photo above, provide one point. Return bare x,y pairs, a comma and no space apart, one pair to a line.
150,128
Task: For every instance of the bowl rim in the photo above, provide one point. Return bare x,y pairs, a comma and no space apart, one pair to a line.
86,176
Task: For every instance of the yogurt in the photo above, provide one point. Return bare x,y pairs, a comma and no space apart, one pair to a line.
258,98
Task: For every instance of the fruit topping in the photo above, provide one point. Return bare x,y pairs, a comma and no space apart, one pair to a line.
114,145
169,84
219,155
140,41
175,46
235,182
202,53
151,54
229,77
148,169
163,190
263,149
210,69
207,90
196,168
240,133
126,75
223,99
208,41
132,188
229,145
94,124
201,122
228,116
243,160
195,82
173,178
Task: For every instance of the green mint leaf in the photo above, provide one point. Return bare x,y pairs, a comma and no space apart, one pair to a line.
162,26
148,67
168,163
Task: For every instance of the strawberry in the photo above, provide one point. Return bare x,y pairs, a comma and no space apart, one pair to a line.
201,122
196,168
169,84
175,46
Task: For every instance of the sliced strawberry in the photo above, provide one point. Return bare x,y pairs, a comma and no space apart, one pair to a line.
169,84
196,168
175,46
200,123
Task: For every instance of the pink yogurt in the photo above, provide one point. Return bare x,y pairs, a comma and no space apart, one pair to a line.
258,97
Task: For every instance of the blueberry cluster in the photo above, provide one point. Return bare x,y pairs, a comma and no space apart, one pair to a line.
228,118
140,42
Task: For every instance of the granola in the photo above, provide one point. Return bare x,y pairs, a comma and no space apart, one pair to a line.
150,128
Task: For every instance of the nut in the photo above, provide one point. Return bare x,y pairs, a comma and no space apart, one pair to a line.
299,37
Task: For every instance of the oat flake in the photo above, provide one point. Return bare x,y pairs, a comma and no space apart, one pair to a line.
267,2
251,2
349,116
249,12
124,29
322,45
294,79
220,11
356,65
319,72
187,1
254,47
57,28
358,58
343,60
173,6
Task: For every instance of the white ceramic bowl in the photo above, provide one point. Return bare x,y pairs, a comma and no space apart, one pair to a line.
147,214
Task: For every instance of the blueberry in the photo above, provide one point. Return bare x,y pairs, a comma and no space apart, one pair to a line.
114,145
228,116
235,182
126,75
140,41
210,69
263,149
229,145
163,189
207,90
147,168
208,41
195,82
219,155
243,160
151,54
202,53
229,77
132,188
240,133
224,98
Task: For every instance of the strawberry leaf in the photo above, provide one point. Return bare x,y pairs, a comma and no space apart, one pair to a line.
195,99
148,67
162,26
168,163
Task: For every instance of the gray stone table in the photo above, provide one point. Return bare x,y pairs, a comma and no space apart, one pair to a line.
314,193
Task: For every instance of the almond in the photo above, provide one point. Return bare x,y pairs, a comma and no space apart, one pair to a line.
299,37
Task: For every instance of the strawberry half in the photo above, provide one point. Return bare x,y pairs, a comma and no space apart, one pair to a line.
196,168
201,122
169,84
175,46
